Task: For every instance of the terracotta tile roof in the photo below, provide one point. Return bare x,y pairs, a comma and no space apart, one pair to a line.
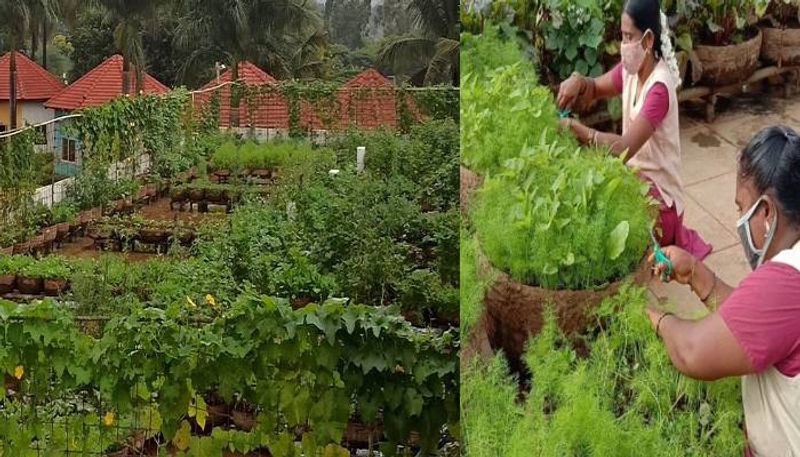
374,107
34,83
273,110
369,100
100,85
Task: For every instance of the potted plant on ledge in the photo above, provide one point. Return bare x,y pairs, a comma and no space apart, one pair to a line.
781,30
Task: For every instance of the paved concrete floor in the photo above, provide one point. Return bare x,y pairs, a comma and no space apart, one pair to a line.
709,173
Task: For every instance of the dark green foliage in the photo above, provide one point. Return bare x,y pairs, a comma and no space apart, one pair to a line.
428,157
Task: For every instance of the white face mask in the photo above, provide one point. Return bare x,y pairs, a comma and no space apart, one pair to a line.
755,257
633,55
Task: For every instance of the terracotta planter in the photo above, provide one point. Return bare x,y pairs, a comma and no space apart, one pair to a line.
30,286
54,287
781,46
7,283
723,65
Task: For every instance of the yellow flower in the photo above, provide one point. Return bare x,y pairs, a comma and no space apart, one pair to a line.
108,419
191,302
211,301
19,372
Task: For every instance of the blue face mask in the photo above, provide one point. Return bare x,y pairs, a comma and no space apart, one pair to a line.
755,257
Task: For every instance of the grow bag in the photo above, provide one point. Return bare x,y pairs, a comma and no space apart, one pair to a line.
54,287
62,230
50,234
469,182
196,195
38,243
7,283
153,236
514,311
724,65
22,248
30,286
781,46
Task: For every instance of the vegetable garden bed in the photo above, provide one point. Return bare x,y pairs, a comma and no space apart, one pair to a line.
192,352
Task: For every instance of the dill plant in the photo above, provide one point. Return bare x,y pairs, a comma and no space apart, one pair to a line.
624,399
503,108
563,217
472,285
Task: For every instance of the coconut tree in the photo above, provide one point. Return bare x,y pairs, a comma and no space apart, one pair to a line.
130,18
42,14
432,51
271,33
17,14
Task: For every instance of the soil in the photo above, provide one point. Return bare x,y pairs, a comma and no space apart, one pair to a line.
160,211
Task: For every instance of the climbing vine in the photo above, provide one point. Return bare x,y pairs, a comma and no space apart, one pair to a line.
298,369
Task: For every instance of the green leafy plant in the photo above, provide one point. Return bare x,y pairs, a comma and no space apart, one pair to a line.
502,112
623,398
63,212
50,267
564,218
573,33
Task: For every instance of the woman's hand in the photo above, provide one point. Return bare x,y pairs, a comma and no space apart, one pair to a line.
682,264
581,132
569,91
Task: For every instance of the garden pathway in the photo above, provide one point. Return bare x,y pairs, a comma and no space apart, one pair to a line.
709,174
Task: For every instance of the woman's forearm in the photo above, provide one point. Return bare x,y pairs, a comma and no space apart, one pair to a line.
615,143
708,286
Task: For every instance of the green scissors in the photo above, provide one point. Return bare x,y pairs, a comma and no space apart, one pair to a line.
661,259
564,114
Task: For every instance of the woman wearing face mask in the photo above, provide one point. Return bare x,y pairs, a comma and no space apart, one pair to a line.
755,332
647,79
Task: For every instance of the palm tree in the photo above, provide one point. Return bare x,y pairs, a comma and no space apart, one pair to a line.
130,17
433,51
269,33
17,13
42,13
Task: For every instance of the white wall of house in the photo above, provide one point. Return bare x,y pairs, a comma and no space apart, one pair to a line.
36,113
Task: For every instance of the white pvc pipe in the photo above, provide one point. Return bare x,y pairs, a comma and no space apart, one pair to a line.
361,153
